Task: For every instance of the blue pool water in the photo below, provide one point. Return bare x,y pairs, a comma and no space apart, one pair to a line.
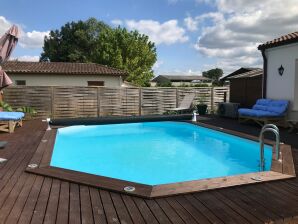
155,152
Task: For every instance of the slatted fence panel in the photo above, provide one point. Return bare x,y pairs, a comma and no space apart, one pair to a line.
151,101
67,102
74,102
40,98
118,101
219,95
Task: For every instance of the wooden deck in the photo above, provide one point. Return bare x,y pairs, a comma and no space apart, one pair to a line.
30,198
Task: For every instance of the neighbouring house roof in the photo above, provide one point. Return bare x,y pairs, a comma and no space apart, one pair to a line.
69,68
179,78
250,74
283,40
237,72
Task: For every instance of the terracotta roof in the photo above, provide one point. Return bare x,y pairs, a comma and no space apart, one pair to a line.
283,40
60,68
249,74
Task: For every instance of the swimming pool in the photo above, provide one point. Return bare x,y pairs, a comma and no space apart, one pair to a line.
155,153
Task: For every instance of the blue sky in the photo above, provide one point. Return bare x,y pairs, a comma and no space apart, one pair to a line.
191,35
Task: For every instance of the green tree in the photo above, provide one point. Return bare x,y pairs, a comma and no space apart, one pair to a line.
94,41
214,75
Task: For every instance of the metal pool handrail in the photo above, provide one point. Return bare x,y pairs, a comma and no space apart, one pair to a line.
268,128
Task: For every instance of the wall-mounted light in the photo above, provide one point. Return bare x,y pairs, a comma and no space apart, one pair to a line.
281,70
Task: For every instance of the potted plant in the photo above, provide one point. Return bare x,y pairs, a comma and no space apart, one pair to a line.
202,106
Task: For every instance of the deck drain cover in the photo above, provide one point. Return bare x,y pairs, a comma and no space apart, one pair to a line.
32,166
129,189
2,160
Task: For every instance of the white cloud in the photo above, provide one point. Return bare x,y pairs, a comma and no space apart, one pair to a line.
191,23
26,58
167,33
234,31
33,39
158,64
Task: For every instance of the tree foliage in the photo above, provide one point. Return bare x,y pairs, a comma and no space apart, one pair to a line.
94,41
214,75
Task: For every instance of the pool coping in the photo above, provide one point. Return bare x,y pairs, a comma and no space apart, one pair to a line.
40,164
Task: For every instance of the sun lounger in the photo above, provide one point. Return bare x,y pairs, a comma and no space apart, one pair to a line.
9,120
265,111
186,103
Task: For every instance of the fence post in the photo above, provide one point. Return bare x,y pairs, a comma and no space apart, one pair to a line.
140,101
98,102
212,100
177,97
52,103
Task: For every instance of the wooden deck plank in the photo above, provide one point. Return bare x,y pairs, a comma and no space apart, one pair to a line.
250,205
120,208
41,205
74,204
132,209
13,196
203,209
97,207
29,206
222,211
196,214
22,198
157,211
51,212
108,206
63,206
86,208
184,215
144,210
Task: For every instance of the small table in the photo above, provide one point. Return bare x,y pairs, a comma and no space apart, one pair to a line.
292,124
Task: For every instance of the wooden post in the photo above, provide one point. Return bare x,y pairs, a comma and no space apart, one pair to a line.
52,103
212,100
98,102
177,97
140,101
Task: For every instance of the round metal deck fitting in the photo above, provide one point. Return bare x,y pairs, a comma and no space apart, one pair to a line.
129,188
33,165
257,178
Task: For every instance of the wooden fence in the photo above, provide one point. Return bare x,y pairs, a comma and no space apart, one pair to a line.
67,102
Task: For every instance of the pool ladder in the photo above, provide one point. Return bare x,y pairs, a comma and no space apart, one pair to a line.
268,128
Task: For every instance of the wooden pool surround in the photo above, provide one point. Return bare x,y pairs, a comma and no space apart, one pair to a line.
282,169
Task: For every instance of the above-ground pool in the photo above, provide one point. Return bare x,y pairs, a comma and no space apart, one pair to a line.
155,153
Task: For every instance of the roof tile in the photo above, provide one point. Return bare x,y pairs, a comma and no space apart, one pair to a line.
60,68
283,40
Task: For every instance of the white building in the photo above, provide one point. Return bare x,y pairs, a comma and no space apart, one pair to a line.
280,80
63,74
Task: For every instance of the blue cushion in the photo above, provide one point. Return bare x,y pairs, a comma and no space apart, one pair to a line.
266,108
8,116
256,113
278,106
259,107
263,102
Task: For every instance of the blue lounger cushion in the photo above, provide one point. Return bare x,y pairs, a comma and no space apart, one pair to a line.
8,116
266,108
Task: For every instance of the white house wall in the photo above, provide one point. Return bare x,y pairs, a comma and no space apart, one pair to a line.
66,80
283,87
